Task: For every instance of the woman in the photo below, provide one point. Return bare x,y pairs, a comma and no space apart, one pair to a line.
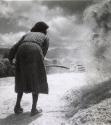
30,74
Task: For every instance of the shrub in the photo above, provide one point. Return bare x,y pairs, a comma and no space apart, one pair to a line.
6,69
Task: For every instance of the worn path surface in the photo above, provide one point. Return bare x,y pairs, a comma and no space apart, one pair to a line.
54,107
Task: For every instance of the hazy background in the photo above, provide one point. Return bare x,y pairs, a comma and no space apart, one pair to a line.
63,17
72,26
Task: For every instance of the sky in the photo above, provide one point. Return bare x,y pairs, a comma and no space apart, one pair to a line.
63,17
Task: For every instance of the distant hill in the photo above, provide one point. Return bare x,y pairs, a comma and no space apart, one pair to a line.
3,51
56,53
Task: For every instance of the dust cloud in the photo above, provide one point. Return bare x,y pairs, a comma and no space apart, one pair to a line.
97,43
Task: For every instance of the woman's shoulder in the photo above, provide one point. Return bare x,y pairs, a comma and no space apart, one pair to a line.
35,34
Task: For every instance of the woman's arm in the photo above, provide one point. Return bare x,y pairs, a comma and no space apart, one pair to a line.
45,46
13,50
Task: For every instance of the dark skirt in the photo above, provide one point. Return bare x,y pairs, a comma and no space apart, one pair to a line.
30,74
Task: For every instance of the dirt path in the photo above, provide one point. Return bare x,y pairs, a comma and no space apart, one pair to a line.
53,105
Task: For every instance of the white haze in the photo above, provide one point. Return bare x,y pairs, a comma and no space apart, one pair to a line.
97,47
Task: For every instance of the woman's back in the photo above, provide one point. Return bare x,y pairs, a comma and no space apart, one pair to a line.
36,37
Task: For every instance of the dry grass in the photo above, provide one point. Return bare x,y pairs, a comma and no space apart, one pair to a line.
87,96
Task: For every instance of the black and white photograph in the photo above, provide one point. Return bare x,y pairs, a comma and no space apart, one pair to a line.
55,62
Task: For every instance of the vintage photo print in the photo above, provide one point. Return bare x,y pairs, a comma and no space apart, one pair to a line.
55,62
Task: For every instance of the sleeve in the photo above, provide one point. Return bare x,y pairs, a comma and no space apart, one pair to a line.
13,50
45,46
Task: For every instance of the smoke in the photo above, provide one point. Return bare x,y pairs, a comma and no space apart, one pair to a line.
98,43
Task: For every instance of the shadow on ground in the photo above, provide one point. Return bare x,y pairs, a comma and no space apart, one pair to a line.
22,119
88,96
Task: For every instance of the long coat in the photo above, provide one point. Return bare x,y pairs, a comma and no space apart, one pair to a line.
30,74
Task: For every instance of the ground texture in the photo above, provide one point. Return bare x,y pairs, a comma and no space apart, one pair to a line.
54,106
71,101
